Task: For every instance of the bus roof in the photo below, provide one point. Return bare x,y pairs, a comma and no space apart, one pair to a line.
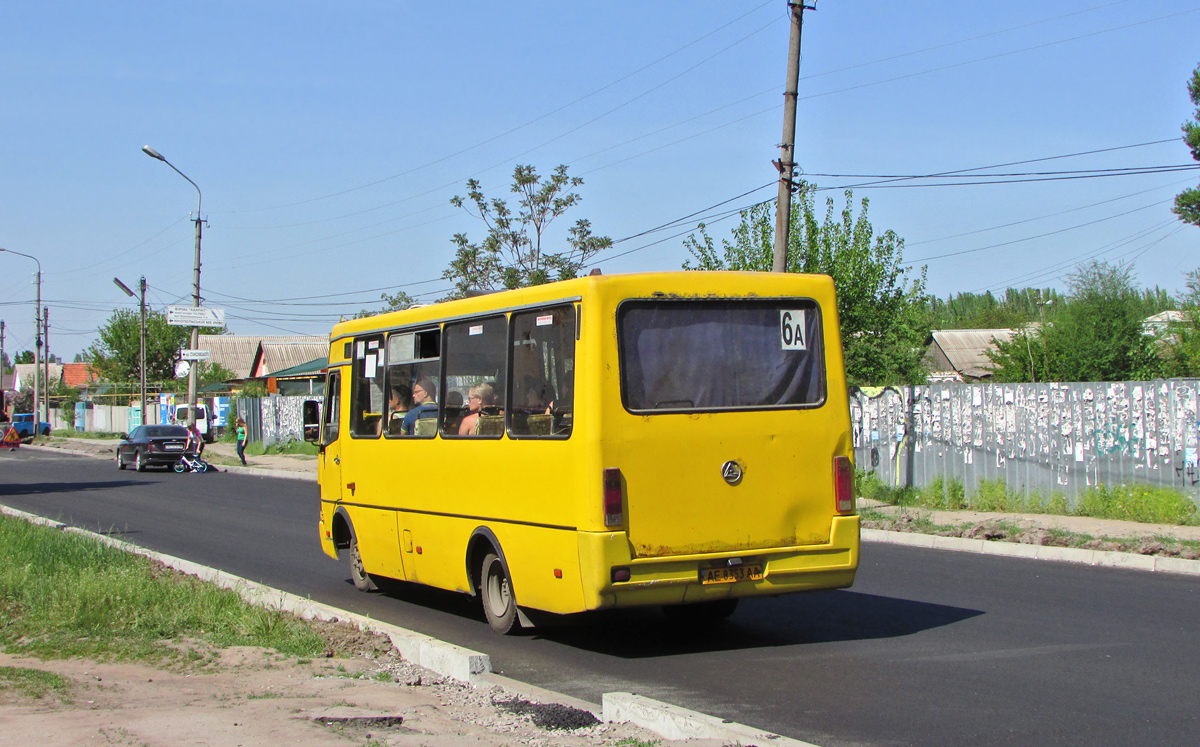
648,284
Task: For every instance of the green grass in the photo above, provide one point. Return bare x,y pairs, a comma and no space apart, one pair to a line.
1142,503
289,447
72,433
64,595
33,683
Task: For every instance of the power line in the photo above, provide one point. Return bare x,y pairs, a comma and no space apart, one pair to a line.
1038,236
535,119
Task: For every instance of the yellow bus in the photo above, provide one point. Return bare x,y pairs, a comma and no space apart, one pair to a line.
677,439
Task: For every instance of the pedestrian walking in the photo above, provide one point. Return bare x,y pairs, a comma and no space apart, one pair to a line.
241,440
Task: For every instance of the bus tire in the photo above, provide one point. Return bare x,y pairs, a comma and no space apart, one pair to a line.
499,602
362,580
700,614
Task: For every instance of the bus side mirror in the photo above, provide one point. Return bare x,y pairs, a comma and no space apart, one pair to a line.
312,421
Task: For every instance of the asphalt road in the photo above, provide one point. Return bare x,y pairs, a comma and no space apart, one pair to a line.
928,648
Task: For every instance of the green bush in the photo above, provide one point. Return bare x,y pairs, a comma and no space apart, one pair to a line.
1144,503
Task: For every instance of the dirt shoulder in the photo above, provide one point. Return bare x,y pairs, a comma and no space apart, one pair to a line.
250,696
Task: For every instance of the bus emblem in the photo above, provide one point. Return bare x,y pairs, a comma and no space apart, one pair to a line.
732,472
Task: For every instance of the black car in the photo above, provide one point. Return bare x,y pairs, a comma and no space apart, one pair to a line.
160,445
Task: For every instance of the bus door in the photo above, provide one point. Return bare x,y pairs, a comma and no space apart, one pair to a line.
331,445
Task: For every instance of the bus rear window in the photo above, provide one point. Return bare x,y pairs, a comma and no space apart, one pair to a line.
718,355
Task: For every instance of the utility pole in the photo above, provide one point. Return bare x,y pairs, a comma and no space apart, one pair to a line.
2,395
142,367
46,358
787,149
37,353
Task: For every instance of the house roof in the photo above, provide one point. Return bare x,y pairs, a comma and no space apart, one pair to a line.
275,356
238,352
23,373
78,374
306,370
966,349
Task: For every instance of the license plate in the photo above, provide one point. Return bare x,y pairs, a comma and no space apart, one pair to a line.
174,447
732,573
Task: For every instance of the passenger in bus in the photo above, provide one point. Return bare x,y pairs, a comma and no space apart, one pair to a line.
538,394
453,411
424,397
478,397
399,402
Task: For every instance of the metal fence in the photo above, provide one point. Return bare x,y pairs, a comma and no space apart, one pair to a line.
1040,439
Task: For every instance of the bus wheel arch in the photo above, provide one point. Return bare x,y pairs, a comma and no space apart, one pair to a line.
491,580
343,531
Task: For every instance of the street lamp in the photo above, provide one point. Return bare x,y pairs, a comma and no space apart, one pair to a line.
141,339
195,286
37,349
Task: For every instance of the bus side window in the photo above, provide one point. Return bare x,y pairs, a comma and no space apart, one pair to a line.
366,395
413,370
475,364
543,373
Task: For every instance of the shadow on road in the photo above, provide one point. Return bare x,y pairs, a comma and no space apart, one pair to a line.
818,617
36,488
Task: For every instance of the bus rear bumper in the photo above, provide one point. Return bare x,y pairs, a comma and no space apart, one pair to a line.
676,580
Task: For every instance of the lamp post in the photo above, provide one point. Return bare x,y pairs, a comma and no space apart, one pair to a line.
141,339
37,349
192,378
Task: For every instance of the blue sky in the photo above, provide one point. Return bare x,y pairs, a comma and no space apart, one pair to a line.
328,139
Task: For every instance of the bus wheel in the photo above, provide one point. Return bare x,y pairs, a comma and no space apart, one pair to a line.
700,613
499,605
362,579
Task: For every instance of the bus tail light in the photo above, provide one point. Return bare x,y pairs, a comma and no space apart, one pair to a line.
843,482
614,515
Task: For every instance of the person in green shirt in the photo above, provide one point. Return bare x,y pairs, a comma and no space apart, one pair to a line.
241,440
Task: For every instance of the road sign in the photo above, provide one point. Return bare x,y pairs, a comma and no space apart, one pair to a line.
182,368
188,354
11,440
195,316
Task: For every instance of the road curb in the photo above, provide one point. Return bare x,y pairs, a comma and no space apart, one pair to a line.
675,723
461,664
265,472
1104,558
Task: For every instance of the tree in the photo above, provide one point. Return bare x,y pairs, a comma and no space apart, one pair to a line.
883,311
1182,340
116,355
513,254
397,302
1095,336
25,356
1187,202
